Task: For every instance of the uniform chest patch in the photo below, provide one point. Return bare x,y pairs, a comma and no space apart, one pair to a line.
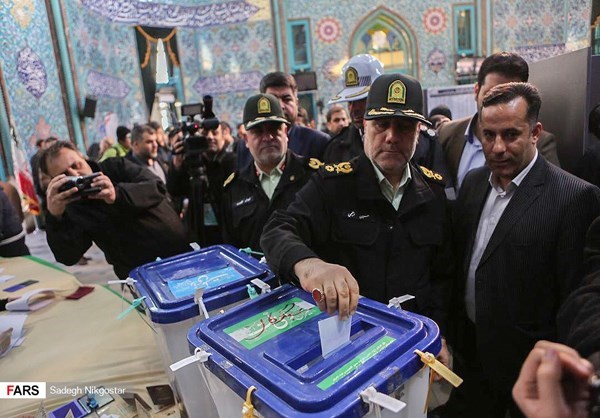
243,202
359,216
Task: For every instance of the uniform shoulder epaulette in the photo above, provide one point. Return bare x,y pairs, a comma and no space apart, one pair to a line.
428,131
328,170
432,175
229,179
315,163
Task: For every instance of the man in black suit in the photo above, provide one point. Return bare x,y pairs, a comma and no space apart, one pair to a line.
520,230
461,139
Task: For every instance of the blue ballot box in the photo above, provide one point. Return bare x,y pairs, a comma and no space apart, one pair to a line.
273,344
169,286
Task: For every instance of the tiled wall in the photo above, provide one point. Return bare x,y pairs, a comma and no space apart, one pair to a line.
106,66
228,61
434,39
225,47
30,72
539,29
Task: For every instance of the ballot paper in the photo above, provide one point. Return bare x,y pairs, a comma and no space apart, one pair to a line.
6,277
334,334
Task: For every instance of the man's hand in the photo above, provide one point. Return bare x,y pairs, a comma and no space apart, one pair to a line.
178,153
58,201
553,382
340,289
107,193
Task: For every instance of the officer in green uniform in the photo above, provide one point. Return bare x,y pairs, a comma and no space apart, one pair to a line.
377,225
271,182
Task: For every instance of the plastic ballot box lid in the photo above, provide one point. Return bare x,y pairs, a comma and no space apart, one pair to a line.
273,343
169,285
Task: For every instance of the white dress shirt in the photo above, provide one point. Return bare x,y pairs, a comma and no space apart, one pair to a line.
495,204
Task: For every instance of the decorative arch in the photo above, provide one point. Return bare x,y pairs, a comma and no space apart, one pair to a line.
388,37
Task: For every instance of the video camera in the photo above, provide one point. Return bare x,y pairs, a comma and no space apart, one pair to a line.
83,184
194,144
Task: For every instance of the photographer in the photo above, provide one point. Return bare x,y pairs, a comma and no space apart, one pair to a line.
119,205
200,166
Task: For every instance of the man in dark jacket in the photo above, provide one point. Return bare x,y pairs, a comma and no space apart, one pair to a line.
520,230
199,176
128,215
144,151
252,194
378,222
12,235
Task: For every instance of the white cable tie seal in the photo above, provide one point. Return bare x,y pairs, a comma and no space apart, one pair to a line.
198,300
264,287
371,396
128,281
199,356
263,260
395,302
195,246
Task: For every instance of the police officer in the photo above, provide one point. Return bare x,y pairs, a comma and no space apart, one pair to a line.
359,72
254,192
378,222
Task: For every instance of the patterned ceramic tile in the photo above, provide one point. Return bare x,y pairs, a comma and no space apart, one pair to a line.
429,21
227,59
30,72
230,57
540,28
107,66
172,14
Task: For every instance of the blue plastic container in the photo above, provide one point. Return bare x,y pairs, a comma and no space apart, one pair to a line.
273,343
169,285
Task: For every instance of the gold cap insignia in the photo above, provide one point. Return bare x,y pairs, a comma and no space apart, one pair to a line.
397,92
351,77
264,105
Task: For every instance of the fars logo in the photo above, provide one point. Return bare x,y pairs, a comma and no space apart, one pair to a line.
22,390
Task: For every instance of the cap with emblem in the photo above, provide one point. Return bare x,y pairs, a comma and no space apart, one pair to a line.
359,73
263,108
395,95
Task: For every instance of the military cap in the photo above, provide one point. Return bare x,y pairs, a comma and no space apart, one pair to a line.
263,108
395,95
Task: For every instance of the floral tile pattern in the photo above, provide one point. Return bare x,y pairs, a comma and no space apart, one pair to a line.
225,58
30,72
539,29
226,62
106,66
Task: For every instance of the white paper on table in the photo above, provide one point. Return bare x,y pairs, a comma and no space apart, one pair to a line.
6,277
334,334
16,322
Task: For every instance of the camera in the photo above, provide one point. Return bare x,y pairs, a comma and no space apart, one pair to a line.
83,184
194,144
